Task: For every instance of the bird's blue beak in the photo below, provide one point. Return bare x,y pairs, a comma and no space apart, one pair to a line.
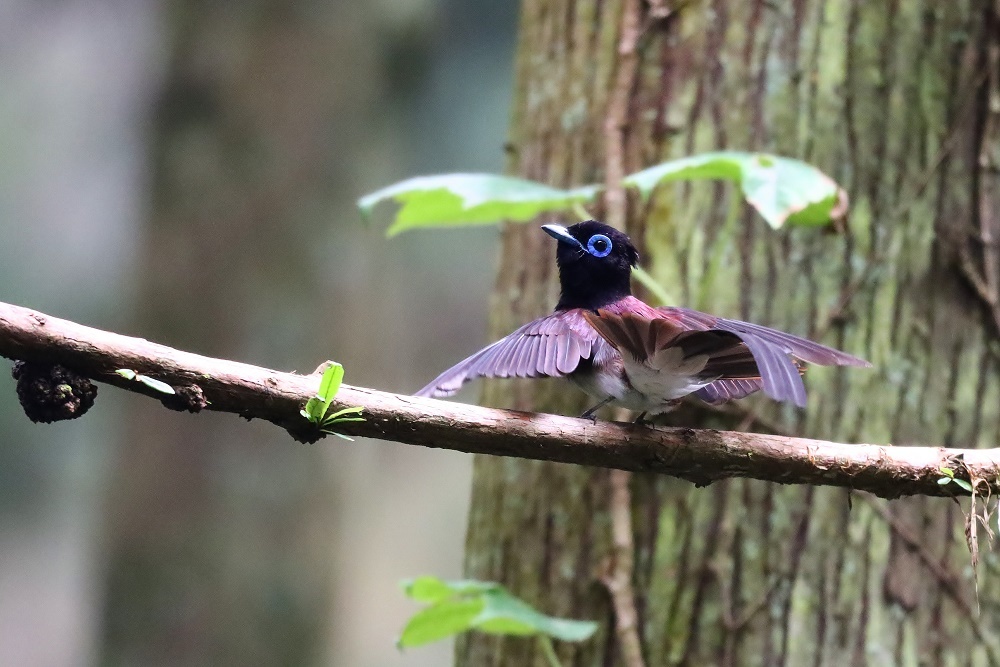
561,234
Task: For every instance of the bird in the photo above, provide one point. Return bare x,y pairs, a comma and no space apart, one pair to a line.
624,352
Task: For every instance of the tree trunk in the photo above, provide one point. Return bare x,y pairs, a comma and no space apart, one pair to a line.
895,100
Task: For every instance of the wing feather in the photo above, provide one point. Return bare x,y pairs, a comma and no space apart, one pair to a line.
721,391
779,375
570,356
802,348
553,346
523,356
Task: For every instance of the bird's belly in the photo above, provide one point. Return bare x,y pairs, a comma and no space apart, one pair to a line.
641,392
669,386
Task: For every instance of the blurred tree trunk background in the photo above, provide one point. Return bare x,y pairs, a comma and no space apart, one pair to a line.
187,172
898,101
225,540
218,540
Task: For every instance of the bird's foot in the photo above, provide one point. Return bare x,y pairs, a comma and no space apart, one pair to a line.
591,412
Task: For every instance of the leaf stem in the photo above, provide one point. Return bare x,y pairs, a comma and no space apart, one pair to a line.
653,287
549,651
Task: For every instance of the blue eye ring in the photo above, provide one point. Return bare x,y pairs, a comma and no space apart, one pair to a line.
599,245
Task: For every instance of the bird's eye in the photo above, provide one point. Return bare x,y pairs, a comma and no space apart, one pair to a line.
599,245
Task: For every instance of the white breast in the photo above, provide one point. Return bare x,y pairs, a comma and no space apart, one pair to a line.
639,387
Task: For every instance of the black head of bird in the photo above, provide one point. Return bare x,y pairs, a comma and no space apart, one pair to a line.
595,264
622,351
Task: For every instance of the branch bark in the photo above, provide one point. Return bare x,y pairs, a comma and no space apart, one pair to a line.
699,456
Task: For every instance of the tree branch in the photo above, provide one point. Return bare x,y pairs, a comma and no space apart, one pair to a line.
699,456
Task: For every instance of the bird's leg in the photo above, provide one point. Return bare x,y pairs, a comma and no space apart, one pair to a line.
641,420
589,413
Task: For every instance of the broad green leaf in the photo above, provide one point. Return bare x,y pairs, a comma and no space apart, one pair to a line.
506,614
330,384
440,620
948,471
783,190
426,589
945,480
314,409
314,406
126,373
431,589
962,483
496,612
471,199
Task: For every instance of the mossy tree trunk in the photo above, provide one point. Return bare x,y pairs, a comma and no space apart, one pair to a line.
898,102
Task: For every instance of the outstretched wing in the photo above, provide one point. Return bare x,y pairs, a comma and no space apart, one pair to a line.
801,348
773,351
733,358
549,346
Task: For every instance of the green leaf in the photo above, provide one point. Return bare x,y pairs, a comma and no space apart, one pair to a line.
944,480
444,619
496,611
962,483
340,420
783,190
430,589
426,589
314,409
471,199
508,615
156,385
948,471
338,415
330,384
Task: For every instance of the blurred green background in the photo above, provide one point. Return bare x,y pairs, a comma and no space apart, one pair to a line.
186,172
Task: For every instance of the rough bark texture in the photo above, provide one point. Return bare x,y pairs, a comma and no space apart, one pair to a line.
895,100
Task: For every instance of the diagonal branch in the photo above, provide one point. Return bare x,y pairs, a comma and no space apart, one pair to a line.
700,456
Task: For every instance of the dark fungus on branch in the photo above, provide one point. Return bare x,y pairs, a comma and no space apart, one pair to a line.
189,398
51,392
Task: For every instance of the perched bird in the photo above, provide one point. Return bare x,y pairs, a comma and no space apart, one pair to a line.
622,351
